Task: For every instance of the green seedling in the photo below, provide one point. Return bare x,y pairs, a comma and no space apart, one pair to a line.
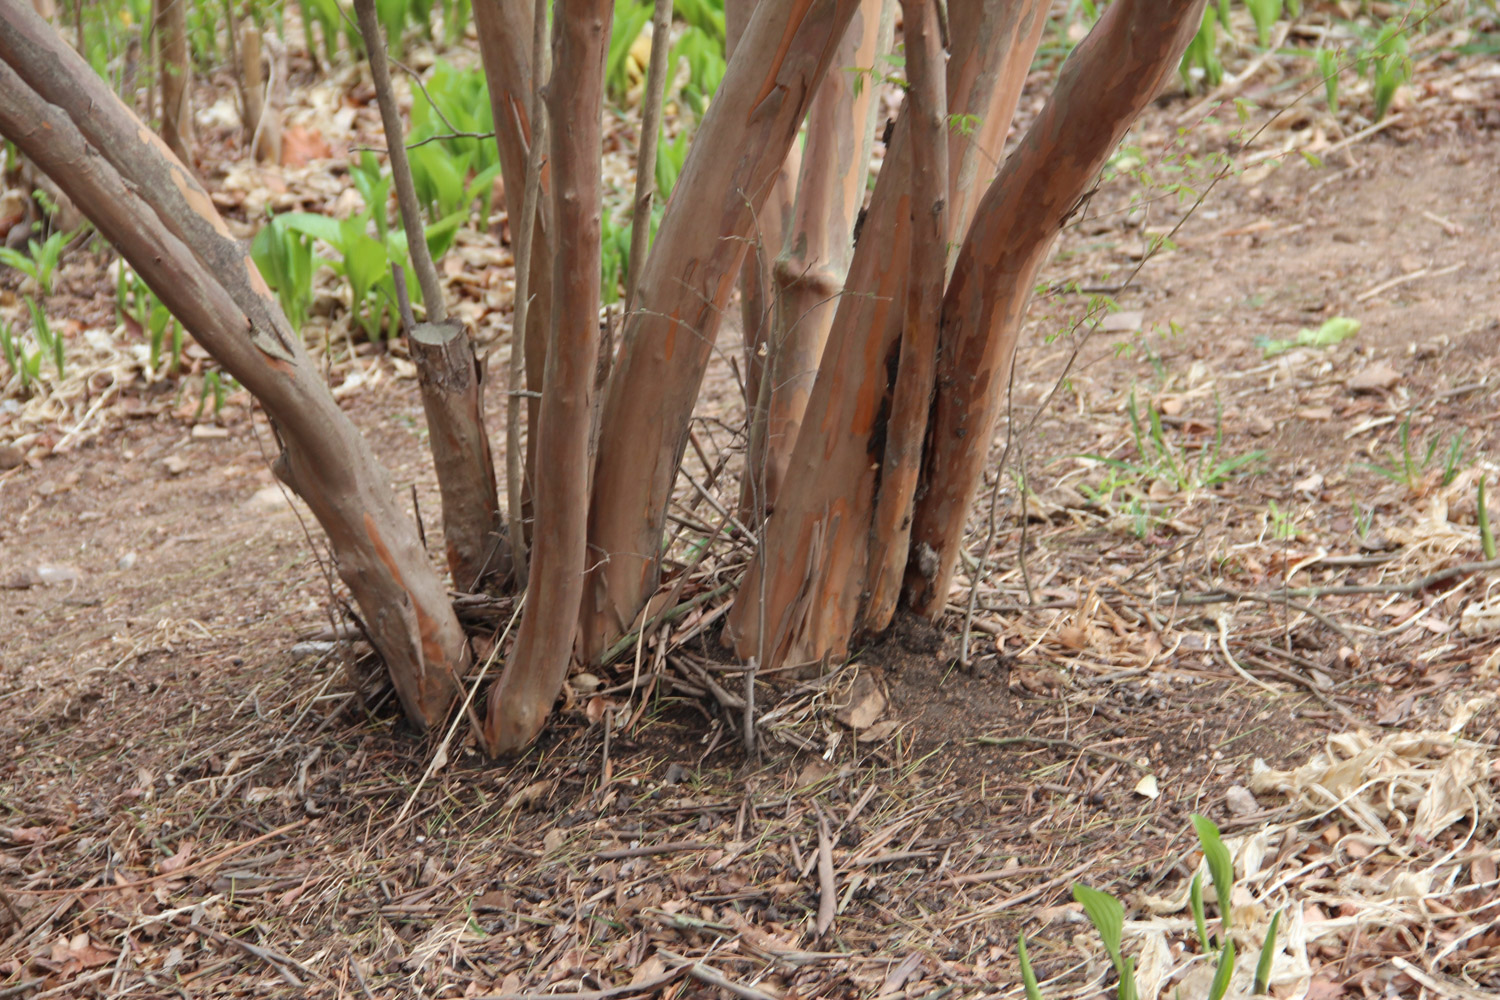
1328,68
1265,14
24,362
1389,65
1159,458
284,254
374,186
704,54
216,385
1283,528
1107,915
1202,55
137,303
1333,331
631,18
47,339
453,160
1409,464
1486,533
40,261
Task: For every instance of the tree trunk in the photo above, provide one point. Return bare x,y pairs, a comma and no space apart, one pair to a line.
927,111
685,286
149,206
262,124
538,664
447,371
767,237
1108,80
176,80
816,551
811,264
504,28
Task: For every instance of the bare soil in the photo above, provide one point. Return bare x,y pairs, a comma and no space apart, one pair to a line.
193,804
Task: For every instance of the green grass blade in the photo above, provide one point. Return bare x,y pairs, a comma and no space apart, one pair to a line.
1028,977
1220,865
1486,534
1267,952
1195,899
1223,973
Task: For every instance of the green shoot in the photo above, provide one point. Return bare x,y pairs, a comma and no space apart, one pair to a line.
1220,865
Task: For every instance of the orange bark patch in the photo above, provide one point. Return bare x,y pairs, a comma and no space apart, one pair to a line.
774,70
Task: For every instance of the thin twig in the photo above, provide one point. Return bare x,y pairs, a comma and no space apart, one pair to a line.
645,165
406,191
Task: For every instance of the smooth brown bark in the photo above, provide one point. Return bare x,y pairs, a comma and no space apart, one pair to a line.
1108,80
149,206
525,255
815,556
809,270
689,275
447,371
176,79
538,664
504,28
927,112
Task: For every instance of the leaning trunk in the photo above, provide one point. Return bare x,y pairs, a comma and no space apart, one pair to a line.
147,204
1107,81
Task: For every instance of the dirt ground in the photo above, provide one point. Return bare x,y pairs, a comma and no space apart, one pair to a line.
201,795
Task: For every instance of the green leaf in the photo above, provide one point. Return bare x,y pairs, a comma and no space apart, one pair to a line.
1195,900
1028,977
1267,953
1108,917
1333,331
1220,865
1223,974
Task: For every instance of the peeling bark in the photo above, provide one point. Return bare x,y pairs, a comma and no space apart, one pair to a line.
148,205
685,286
813,260
1107,81
817,545
538,664
927,111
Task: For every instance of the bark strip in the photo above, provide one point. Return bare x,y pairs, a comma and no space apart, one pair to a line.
1108,80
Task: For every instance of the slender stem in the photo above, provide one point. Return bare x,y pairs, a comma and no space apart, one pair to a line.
645,167
406,192
525,241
